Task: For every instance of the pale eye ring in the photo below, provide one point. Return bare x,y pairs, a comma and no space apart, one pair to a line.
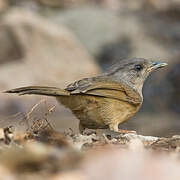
138,67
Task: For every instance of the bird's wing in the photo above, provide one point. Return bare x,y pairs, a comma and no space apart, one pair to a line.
105,88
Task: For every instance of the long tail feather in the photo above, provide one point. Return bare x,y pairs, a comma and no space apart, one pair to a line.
39,90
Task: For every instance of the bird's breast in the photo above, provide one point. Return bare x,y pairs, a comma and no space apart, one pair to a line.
98,112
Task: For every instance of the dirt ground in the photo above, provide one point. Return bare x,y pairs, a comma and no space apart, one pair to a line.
41,152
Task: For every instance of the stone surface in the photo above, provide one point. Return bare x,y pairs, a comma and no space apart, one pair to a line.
43,153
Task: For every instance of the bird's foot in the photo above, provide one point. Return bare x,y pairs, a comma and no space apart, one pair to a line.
116,134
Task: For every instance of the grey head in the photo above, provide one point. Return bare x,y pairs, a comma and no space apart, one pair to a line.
133,71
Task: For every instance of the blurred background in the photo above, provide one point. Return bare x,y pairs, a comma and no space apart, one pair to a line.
55,42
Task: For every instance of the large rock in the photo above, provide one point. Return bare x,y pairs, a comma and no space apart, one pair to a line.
37,52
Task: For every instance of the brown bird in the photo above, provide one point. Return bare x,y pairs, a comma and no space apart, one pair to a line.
104,101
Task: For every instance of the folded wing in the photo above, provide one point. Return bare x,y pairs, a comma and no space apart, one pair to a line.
105,88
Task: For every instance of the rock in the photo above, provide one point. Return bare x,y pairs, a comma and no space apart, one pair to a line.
38,52
118,164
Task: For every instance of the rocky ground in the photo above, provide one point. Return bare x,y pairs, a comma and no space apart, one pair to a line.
40,152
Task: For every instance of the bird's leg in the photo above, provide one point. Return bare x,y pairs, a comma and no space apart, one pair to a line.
114,127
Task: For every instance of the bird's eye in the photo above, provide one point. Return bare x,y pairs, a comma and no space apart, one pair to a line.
138,67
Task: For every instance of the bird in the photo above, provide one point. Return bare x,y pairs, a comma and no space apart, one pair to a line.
104,101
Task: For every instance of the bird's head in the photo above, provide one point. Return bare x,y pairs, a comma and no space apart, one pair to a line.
134,71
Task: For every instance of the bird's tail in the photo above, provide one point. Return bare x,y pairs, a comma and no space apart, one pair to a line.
39,90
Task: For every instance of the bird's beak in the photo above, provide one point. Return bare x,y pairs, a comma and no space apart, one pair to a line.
156,65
